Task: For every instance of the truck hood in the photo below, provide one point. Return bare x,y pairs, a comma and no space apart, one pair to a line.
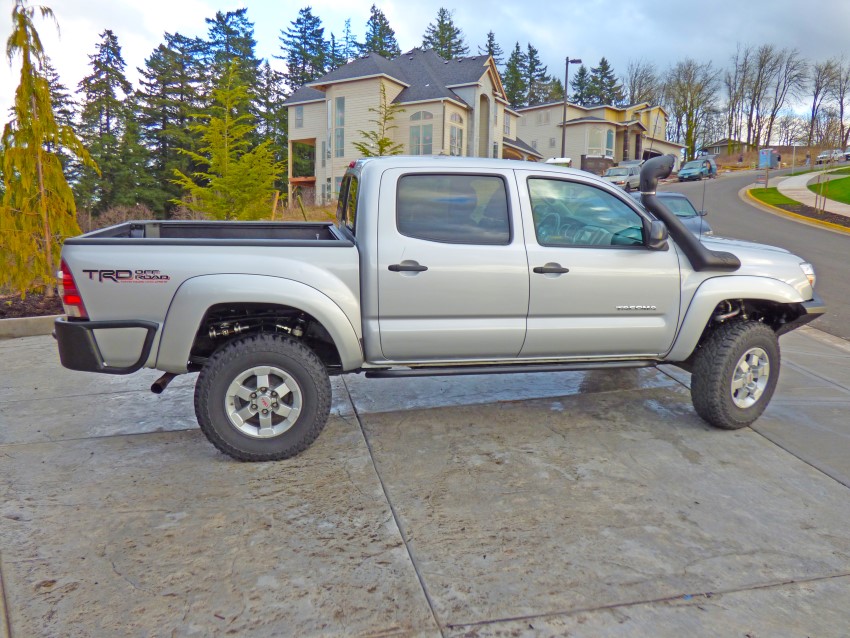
728,244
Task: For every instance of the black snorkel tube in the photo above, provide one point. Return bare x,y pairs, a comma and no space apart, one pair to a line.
701,258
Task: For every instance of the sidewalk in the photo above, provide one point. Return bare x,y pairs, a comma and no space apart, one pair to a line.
795,188
581,503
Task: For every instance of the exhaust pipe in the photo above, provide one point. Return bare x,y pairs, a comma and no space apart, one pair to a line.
701,258
158,386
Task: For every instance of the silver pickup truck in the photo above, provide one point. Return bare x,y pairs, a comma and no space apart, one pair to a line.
436,266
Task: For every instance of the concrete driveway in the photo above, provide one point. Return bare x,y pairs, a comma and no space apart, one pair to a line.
580,504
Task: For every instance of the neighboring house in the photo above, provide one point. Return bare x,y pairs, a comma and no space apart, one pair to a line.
726,147
454,107
597,137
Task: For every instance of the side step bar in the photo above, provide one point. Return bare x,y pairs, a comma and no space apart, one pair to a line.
449,371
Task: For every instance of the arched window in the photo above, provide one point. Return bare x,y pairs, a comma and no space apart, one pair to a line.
421,135
456,118
456,134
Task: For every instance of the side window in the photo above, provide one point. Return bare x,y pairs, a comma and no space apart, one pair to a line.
575,215
454,209
346,208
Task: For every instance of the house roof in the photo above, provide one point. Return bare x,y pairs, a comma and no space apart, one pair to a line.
522,146
304,94
424,74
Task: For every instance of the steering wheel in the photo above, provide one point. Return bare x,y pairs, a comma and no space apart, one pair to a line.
593,236
548,227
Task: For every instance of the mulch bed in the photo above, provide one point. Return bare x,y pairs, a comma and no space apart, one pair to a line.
813,213
33,305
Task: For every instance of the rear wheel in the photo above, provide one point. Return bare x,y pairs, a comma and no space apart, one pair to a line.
263,398
735,374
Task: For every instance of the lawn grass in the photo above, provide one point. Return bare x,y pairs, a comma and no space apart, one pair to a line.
772,196
837,189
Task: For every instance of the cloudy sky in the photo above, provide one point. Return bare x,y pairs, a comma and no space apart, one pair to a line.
659,32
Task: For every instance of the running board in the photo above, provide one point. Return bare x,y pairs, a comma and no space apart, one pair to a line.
452,371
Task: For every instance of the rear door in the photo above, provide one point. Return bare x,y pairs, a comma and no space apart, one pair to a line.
595,287
452,268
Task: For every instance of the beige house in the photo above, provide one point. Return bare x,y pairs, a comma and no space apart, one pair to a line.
454,107
596,137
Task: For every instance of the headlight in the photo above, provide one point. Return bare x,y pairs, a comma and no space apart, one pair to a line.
809,272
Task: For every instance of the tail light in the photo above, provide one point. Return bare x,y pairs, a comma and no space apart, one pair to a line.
71,298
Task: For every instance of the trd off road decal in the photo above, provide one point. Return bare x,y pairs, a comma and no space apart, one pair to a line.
128,276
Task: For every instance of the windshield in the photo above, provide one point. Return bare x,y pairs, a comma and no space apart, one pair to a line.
694,164
616,172
679,206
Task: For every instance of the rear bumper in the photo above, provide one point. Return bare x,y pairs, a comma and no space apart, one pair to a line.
78,349
811,310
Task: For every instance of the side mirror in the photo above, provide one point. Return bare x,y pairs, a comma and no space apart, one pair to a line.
702,213
657,239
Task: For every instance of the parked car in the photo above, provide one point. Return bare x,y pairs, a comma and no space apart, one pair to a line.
626,177
847,153
680,205
697,169
834,155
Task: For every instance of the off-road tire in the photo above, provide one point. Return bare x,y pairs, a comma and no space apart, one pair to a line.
240,355
714,369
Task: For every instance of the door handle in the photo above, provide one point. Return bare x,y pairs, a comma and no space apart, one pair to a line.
555,269
407,268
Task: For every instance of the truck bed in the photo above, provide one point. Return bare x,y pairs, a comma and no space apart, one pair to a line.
212,232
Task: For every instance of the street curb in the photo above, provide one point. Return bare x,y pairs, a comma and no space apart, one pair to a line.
5,621
800,218
27,326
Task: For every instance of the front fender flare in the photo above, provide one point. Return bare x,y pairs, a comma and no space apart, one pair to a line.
711,292
196,295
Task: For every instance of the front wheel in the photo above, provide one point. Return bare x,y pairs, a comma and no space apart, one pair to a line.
735,373
263,398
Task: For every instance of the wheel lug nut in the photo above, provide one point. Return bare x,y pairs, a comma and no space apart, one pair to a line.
263,389
253,406
253,395
265,411
275,406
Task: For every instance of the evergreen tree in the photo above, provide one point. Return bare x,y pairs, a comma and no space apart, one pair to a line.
234,181
168,95
37,210
230,36
444,37
102,121
272,120
553,91
603,87
580,84
63,103
536,78
378,143
492,48
350,47
513,78
380,36
303,46
334,55
135,184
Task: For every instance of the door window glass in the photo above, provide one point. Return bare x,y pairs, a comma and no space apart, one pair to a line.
573,214
454,209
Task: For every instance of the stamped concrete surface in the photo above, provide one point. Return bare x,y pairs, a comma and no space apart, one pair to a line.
585,504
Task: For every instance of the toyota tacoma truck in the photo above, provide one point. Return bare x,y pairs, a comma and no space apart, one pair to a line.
435,266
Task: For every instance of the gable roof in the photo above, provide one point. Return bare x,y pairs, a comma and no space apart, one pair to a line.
424,75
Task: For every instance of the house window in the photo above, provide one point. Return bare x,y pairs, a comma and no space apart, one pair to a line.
534,144
609,144
454,209
339,130
551,142
324,152
299,117
495,150
421,135
595,138
542,117
456,135
507,128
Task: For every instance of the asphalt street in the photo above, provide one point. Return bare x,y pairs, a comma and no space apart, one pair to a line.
828,250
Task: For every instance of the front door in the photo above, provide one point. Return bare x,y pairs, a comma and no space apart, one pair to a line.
595,287
452,270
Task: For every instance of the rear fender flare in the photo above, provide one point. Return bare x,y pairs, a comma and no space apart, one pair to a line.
195,296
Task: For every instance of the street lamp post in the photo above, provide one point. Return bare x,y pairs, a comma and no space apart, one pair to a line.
567,63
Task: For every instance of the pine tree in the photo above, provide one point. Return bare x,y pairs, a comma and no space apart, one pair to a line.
536,78
580,84
37,210
553,91
168,95
233,182
334,55
444,37
492,48
603,87
230,36
378,143
272,120
350,47
303,46
380,36
102,122
513,78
